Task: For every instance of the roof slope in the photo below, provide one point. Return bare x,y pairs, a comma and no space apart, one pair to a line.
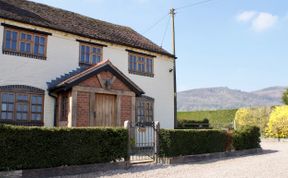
67,81
59,19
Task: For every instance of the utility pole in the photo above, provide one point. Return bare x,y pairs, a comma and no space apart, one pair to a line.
172,13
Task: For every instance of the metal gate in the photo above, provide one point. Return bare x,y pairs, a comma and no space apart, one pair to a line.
143,141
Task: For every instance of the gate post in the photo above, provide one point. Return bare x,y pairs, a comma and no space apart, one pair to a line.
156,139
128,127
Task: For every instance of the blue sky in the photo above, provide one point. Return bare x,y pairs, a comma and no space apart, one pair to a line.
241,44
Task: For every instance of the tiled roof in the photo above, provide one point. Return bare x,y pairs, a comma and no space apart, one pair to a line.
52,84
67,81
62,20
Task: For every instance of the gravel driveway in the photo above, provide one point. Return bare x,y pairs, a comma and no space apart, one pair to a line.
273,163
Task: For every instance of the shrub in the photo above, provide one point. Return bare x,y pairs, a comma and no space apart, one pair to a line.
253,117
193,124
35,147
278,122
189,142
285,97
247,137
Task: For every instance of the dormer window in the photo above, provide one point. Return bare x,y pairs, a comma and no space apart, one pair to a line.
24,43
90,54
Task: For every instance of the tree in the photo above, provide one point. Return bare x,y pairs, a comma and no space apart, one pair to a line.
285,97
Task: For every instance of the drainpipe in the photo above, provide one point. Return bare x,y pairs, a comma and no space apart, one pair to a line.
55,107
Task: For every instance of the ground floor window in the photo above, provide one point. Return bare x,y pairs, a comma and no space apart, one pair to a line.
21,104
144,109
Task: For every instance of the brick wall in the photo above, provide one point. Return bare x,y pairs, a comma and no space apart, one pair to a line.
83,100
91,82
126,109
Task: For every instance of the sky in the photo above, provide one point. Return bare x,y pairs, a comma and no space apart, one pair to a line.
240,44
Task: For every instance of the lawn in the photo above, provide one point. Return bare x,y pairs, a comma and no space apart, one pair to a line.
217,119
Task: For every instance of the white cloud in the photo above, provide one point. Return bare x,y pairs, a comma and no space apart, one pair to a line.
259,21
246,16
264,21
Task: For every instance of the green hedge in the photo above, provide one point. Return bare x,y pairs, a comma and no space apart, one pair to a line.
246,138
188,142
35,147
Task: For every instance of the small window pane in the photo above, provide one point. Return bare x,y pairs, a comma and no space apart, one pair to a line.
4,107
24,116
36,40
36,49
23,36
87,55
94,59
8,44
94,50
9,116
3,115
18,116
28,47
36,117
14,45
42,41
34,108
19,108
8,35
14,36
29,37
10,107
41,50
22,47
25,108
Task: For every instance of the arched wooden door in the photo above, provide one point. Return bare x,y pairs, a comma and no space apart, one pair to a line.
105,110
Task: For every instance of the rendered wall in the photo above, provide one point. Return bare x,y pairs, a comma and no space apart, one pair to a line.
63,57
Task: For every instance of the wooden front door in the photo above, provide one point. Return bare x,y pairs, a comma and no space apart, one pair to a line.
105,110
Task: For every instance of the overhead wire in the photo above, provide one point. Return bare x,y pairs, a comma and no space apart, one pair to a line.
155,24
165,31
193,4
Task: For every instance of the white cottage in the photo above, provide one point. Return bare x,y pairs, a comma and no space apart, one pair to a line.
59,68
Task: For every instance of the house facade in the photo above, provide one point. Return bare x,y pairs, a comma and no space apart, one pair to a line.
59,68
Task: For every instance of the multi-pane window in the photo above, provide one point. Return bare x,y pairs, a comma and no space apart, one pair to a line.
90,54
36,108
64,108
7,106
21,42
140,64
144,109
22,104
21,107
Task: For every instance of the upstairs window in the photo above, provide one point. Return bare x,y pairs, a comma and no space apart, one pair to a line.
24,43
140,64
90,54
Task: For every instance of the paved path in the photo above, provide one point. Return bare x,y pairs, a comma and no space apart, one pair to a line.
273,163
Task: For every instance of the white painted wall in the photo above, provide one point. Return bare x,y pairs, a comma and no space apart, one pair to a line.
160,87
63,57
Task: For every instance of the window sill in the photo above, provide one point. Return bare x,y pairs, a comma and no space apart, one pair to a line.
15,53
22,122
141,73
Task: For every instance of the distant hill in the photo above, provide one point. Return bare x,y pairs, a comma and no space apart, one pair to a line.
225,98
272,92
